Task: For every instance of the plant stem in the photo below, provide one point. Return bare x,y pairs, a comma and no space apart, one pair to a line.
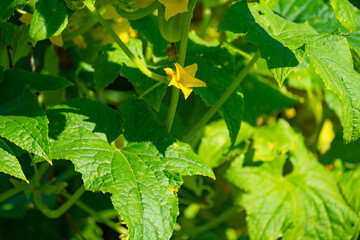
61,210
126,50
182,56
213,223
12,192
140,13
92,212
204,120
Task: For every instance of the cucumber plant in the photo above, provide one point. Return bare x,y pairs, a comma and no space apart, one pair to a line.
181,119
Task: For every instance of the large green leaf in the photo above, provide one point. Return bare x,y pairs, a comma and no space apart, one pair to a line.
280,42
7,7
324,52
340,77
345,13
143,182
112,62
217,80
50,19
9,163
304,204
22,120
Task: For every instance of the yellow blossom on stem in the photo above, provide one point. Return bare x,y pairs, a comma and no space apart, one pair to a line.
184,78
173,7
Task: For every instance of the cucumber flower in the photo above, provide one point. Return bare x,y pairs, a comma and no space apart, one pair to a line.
184,78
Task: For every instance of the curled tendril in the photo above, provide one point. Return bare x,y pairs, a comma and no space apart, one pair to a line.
75,4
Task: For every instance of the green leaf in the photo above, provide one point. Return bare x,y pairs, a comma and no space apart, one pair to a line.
22,120
280,42
215,144
339,77
37,81
271,142
7,7
349,182
345,13
304,204
356,58
141,124
269,3
9,163
217,80
143,182
50,18
14,40
112,61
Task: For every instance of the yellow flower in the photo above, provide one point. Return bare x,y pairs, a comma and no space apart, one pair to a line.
173,7
184,78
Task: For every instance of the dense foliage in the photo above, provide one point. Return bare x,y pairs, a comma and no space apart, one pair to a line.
159,119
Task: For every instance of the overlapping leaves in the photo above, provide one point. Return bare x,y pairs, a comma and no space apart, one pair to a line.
143,181
305,203
283,44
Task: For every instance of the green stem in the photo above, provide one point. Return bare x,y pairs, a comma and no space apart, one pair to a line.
182,56
61,210
204,120
140,13
84,27
12,192
92,212
126,50
213,223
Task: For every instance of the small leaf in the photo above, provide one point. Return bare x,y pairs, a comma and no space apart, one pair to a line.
50,18
9,163
345,13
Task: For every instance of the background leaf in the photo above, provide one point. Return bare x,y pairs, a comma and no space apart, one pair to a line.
307,189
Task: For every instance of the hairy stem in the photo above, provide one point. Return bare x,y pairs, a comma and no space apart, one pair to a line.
140,13
205,119
182,56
